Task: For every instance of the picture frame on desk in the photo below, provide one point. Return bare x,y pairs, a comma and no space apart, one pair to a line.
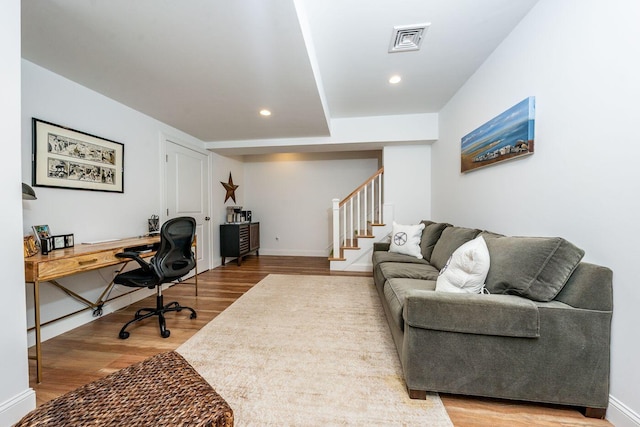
58,242
41,232
68,158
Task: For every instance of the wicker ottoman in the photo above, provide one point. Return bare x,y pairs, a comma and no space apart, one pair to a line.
163,390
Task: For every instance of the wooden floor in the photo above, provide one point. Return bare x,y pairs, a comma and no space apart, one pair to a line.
94,350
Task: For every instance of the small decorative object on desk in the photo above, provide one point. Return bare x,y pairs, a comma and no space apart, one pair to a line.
154,224
46,244
41,232
68,240
30,246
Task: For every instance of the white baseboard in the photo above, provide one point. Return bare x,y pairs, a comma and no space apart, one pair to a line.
294,252
621,415
366,267
12,410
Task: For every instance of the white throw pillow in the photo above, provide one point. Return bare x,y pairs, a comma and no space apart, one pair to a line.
405,239
467,268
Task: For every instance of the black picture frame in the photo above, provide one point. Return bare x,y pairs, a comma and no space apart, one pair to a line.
58,242
68,240
68,158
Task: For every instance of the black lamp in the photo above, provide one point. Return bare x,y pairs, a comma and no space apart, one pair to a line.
27,192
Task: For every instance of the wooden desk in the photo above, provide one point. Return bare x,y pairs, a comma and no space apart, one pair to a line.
66,262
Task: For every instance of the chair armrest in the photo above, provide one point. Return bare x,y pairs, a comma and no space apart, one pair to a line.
135,256
500,315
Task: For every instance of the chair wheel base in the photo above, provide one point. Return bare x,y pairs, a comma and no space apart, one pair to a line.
159,310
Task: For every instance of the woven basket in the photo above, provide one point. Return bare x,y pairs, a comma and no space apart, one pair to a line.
163,390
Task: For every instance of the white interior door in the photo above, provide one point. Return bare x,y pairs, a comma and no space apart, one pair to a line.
187,193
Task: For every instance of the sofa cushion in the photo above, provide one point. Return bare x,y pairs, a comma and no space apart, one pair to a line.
405,239
402,265
497,315
533,267
490,234
392,270
430,236
384,256
466,270
395,294
450,240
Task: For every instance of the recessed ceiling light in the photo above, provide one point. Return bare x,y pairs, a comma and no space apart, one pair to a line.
265,112
395,79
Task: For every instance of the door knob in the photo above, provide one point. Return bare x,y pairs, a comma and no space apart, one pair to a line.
206,218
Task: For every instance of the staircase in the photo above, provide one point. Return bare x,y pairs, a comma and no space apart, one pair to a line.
358,223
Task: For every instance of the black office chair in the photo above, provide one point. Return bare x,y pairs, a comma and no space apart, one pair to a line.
172,261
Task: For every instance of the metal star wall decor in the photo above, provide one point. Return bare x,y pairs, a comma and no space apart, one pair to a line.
231,189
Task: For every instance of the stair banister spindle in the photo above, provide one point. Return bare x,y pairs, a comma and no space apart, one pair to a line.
350,221
373,202
380,199
357,224
336,227
364,209
344,225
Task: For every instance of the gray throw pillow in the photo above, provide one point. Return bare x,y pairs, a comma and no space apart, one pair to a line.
490,235
532,267
430,236
450,240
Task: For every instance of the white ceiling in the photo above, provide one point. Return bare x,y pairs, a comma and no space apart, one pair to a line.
207,67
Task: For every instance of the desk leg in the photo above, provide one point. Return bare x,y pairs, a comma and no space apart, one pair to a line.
196,270
36,310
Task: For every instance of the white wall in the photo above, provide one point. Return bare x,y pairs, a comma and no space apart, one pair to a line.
16,398
90,215
407,182
221,166
581,60
290,194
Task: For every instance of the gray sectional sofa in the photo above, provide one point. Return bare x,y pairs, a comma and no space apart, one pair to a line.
540,332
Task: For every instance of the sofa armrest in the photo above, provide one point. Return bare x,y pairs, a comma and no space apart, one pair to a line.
381,246
499,315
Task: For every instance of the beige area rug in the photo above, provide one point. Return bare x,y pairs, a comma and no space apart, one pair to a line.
306,351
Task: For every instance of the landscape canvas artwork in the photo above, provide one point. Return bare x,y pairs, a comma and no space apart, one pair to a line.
507,136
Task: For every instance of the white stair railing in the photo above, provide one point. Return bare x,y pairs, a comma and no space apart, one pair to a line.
353,215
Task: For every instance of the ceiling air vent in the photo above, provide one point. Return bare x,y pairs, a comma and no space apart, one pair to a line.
407,37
